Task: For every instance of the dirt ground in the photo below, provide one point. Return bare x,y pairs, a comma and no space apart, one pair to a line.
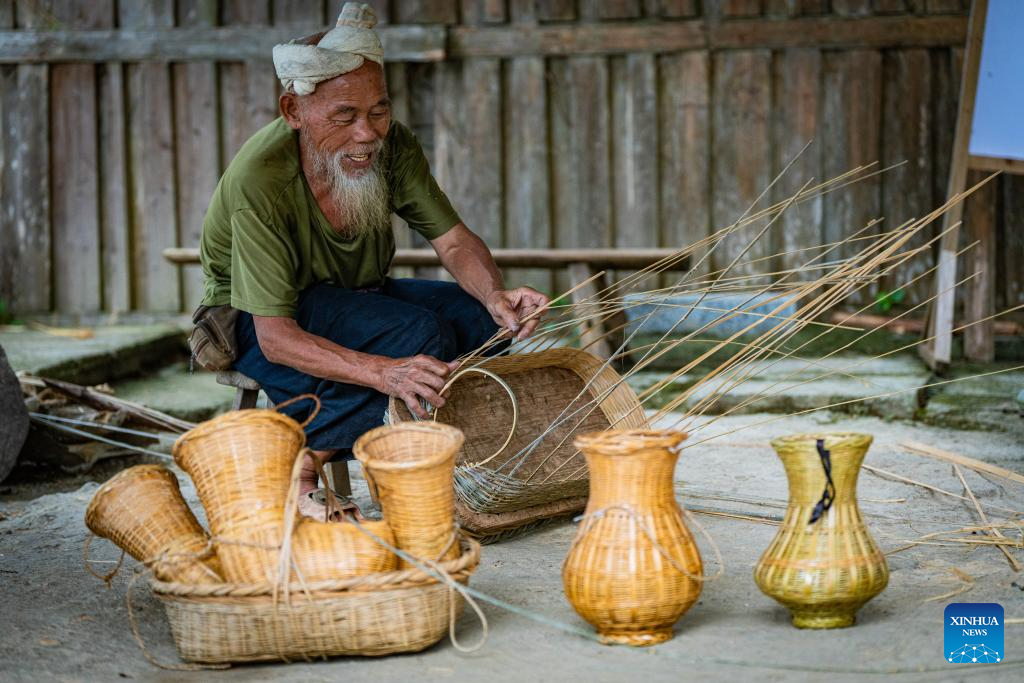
62,624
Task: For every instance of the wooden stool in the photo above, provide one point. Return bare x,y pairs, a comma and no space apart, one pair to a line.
247,392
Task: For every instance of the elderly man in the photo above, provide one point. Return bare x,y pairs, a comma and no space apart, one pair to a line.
298,238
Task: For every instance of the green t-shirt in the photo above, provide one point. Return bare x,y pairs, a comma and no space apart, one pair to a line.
265,239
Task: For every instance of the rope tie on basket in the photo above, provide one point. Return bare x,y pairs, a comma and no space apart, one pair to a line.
433,569
312,397
829,494
105,578
590,518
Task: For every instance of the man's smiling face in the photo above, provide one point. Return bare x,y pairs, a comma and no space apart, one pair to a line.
350,114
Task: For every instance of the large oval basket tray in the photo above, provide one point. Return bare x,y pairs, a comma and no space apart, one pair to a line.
378,614
523,485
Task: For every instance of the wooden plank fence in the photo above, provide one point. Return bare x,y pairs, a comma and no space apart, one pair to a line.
550,123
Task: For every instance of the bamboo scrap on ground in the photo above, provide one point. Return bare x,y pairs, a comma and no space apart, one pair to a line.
956,459
990,529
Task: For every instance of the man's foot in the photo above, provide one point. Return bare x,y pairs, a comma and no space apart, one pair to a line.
311,504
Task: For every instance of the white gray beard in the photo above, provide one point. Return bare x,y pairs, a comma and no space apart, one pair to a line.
363,201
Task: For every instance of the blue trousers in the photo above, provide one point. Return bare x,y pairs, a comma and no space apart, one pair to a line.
404,318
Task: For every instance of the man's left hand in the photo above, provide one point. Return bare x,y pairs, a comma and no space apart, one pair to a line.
510,306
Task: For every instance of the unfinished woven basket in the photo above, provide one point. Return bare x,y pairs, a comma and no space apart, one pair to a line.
633,568
822,571
379,614
529,481
411,465
141,510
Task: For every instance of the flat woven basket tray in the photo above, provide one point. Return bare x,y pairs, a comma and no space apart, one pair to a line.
377,614
510,491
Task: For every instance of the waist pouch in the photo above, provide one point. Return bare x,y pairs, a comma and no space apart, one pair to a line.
212,340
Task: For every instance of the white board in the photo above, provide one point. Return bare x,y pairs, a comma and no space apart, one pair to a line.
998,126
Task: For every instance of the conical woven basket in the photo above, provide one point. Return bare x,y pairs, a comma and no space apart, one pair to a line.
141,510
241,463
822,571
529,482
633,569
411,465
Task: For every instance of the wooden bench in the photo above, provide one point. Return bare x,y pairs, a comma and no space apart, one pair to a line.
582,264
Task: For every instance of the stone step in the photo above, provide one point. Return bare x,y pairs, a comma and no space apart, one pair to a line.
194,396
113,352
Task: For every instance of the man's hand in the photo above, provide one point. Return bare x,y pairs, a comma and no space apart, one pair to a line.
415,378
509,306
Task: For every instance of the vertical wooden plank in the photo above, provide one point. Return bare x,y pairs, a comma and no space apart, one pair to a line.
635,152
114,196
483,11
304,13
248,94
556,10
29,175
676,9
523,11
906,136
8,255
684,148
581,129
426,12
797,122
946,67
741,149
75,187
948,6
852,121
197,157
481,98
151,152
527,186
741,8
890,6
594,10
851,8
1010,265
980,220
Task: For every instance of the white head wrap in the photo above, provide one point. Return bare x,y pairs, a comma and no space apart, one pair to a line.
342,49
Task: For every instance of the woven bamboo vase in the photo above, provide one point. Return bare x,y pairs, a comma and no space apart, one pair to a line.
413,464
822,571
141,510
633,568
241,463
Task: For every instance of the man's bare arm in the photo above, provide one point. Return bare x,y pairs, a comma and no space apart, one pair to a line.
284,342
467,258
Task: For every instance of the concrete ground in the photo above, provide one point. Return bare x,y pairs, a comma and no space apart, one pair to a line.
63,624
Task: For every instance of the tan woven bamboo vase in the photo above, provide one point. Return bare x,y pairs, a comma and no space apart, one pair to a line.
412,465
241,463
633,568
824,570
141,510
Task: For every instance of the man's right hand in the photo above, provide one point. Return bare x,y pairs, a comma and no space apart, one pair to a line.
415,378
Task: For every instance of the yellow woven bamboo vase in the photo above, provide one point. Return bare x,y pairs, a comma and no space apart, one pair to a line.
823,570
142,511
633,568
412,464
241,463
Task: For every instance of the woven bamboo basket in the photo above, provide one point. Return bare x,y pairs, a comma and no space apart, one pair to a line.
633,568
378,614
141,510
525,485
411,465
824,571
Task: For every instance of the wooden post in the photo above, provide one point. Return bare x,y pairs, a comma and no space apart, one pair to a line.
938,353
979,344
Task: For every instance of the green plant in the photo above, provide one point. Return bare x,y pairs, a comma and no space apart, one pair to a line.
884,301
